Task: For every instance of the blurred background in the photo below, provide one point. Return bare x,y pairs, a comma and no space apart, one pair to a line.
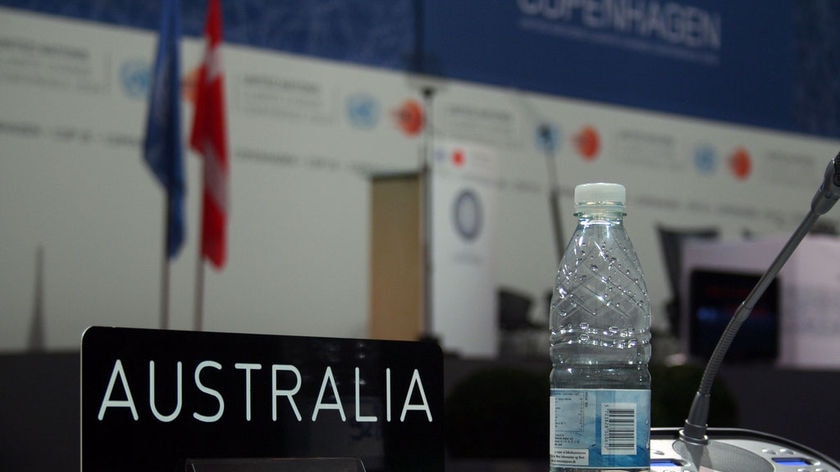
405,169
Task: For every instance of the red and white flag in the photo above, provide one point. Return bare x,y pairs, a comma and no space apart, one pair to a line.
209,138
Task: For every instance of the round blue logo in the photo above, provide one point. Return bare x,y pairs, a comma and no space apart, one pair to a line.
135,76
363,111
439,156
705,159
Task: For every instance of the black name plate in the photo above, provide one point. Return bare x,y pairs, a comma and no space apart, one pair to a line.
154,399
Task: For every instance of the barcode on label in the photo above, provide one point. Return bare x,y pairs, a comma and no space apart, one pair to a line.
618,428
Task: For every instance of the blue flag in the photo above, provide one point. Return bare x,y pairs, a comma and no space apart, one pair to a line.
162,149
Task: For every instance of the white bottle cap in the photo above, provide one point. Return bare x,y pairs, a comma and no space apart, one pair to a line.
600,193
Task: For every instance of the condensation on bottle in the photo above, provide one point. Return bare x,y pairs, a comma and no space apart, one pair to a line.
600,343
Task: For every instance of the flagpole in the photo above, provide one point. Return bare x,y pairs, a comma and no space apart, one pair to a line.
162,146
209,138
164,267
198,316
36,329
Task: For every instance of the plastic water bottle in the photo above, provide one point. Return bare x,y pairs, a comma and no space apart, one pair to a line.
600,343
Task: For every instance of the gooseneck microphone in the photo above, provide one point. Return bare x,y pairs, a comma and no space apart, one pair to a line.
741,450
694,431
829,191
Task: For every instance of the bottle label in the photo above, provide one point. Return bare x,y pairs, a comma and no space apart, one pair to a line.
599,428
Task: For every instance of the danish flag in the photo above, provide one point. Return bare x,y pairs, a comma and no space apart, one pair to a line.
209,138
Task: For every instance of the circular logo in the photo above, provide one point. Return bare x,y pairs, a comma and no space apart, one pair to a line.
135,76
409,117
740,164
467,215
439,155
705,159
588,143
459,158
362,111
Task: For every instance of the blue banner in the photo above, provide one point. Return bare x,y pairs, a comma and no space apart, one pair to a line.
731,61
378,33
768,64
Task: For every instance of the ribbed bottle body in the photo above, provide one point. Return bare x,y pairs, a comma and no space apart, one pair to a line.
600,348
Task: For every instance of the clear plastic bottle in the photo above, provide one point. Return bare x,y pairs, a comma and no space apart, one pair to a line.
600,343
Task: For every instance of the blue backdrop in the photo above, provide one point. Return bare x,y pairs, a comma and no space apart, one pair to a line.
771,64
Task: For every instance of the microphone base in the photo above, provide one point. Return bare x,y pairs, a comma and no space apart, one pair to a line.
733,450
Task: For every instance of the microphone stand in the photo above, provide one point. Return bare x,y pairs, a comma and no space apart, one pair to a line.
694,431
547,141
